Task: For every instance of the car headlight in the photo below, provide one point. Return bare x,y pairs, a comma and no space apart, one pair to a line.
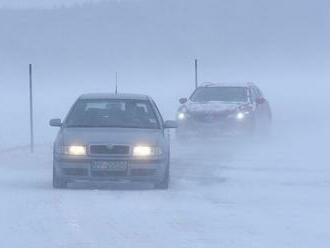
181,116
240,116
73,150
146,151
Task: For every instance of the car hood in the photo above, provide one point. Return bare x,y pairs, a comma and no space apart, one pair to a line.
212,107
125,136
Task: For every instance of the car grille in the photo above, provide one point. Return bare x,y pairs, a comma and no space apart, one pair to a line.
107,173
109,149
209,117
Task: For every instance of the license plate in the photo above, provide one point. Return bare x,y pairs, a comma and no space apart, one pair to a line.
110,165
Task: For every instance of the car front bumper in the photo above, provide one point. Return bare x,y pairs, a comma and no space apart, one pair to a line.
221,127
72,169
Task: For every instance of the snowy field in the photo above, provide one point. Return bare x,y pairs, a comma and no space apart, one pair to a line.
229,193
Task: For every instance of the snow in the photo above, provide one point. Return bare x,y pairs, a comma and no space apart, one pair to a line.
231,194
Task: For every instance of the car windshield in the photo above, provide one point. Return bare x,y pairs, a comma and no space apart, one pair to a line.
223,94
113,113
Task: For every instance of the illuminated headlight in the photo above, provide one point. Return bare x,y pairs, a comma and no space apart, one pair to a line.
73,150
240,115
146,151
181,116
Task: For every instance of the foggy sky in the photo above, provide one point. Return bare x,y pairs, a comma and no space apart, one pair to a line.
281,45
223,34
41,3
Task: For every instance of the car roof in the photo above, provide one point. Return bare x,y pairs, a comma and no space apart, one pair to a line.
239,84
95,96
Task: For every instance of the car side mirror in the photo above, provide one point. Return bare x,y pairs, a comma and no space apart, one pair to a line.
260,100
183,100
170,124
55,122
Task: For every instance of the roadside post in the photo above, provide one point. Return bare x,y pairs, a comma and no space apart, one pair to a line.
196,73
31,110
116,90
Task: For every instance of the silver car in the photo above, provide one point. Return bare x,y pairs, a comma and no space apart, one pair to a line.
112,137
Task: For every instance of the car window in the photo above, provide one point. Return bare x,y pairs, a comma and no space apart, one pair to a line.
253,94
223,94
258,92
157,112
112,113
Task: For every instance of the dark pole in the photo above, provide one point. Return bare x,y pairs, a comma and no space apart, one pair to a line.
31,110
196,73
116,83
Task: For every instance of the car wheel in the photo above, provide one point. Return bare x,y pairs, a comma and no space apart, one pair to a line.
164,184
58,182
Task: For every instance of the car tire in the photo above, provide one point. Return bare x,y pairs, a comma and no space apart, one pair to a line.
164,184
58,182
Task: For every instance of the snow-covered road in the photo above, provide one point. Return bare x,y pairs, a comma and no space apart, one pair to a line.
241,194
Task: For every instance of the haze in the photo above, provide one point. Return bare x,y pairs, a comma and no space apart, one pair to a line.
77,47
